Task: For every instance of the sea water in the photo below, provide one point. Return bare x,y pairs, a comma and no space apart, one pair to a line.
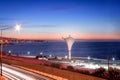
93,49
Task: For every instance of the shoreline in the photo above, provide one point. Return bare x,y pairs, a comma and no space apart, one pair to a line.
83,62
73,58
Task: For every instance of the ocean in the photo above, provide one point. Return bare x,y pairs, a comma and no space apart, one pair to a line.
93,49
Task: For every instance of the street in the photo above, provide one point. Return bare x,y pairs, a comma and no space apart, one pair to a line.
14,73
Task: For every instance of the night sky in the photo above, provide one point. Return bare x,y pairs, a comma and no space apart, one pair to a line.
53,19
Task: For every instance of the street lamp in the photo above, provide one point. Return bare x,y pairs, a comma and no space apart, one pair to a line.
28,52
113,59
88,58
41,53
9,52
17,27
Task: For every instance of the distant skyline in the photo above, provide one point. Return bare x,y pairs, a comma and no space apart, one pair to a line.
54,19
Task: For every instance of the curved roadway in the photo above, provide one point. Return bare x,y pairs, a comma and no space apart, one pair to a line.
14,73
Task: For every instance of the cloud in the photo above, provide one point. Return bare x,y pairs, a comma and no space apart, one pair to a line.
64,8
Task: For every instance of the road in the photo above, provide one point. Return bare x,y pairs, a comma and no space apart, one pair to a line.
14,73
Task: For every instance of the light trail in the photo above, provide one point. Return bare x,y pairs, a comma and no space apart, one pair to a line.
14,73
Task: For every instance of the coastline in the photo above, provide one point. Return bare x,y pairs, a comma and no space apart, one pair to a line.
83,62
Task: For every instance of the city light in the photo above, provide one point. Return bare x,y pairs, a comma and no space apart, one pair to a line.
17,27
9,51
88,58
28,52
113,59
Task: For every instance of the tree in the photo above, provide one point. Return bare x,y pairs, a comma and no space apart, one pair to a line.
112,74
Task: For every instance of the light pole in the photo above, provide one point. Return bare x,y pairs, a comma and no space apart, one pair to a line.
108,61
17,27
88,58
113,59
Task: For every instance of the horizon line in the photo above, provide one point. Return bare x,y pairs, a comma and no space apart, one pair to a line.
61,39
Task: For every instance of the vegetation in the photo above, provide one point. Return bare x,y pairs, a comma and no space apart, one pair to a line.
110,74
83,72
69,75
70,68
56,65
99,72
